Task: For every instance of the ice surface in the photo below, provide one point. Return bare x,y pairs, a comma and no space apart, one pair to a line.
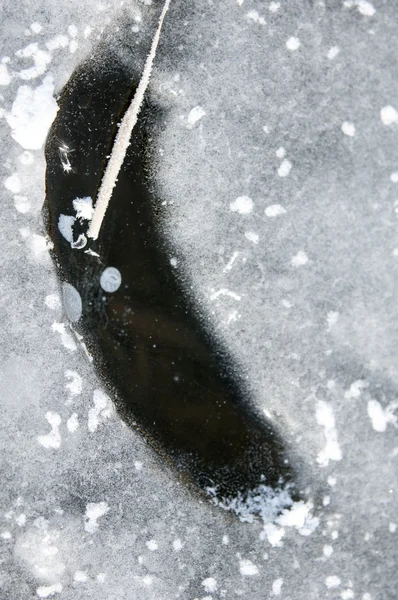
308,306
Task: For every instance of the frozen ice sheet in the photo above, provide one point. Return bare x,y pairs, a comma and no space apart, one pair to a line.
291,106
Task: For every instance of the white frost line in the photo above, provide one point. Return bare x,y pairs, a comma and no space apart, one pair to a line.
123,137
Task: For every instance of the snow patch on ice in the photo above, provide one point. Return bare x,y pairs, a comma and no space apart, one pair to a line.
103,409
210,585
325,418
285,168
355,389
194,116
13,183
242,205
72,423
292,44
94,511
47,591
332,582
277,586
52,439
247,568
66,339
32,113
380,417
299,259
41,60
363,6
274,210
348,129
388,115
252,237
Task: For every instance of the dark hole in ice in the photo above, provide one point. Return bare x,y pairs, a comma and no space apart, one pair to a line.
169,376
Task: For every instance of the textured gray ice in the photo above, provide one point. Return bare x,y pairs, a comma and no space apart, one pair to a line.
278,168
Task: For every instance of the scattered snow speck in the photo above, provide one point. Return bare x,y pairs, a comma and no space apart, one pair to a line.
327,550
36,27
52,439
325,418
74,384
21,204
152,545
26,158
32,113
59,41
210,584
277,586
273,534
94,511
5,535
225,540
13,183
20,520
388,115
348,128
72,423
53,301
280,152
365,8
247,568
331,319
392,527
285,168
299,259
50,590
347,594
299,516
293,43
253,15
355,389
379,416
332,582
87,32
332,481
110,279
195,115
66,339
73,46
242,205
80,576
333,52
177,545
84,208
394,177
5,77
72,30
173,262
138,465
274,210
252,237
274,7
103,409
40,58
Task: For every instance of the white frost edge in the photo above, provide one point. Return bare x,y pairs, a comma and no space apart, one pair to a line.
122,140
